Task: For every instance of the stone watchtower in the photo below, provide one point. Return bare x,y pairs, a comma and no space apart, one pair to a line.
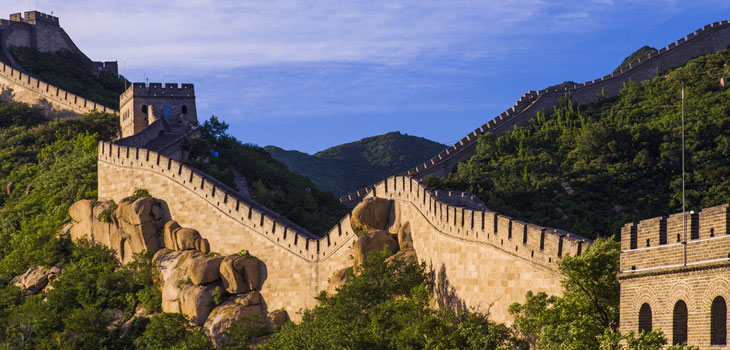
143,104
674,276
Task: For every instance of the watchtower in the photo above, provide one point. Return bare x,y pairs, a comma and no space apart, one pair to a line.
143,104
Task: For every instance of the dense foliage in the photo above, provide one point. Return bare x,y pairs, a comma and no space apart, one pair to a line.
386,306
586,316
591,169
349,167
290,194
94,292
72,72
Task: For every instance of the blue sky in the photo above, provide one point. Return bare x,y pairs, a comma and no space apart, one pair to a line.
308,75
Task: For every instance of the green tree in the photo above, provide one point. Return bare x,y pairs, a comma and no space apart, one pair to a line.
586,310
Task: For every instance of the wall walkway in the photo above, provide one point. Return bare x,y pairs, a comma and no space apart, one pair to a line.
480,258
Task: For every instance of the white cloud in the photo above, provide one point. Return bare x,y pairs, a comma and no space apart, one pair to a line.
229,33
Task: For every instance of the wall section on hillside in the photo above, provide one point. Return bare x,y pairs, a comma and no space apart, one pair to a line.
20,87
480,259
710,38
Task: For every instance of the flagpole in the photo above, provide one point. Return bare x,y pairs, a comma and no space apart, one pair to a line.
684,216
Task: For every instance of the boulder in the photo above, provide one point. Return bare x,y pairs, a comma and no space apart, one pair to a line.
168,234
35,279
137,212
173,267
239,274
338,279
196,302
372,242
247,299
403,254
225,314
278,318
371,214
405,238
81,216
10,187
205,270
186,238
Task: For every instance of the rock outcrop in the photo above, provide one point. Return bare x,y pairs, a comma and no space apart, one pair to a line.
205,270
224,315
196,302
405,238
240,274
371,214
337,280
36,279
372,242
132,227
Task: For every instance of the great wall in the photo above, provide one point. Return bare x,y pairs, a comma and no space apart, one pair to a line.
43,32
710,38
480,259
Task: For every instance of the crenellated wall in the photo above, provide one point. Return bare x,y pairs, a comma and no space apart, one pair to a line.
710,38
662,263
20,87
480,258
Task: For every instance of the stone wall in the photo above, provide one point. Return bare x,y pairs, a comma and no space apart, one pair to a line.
480,258
20,87
661,265
710,38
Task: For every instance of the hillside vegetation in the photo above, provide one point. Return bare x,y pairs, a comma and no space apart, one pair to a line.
351,166
72,72
641,52
273,185
591,169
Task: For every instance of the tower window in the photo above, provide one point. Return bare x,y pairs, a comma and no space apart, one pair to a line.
144,108
645,318
679,324
718,322
184,109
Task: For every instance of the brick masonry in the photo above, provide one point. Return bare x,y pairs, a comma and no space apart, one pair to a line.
480,259
661,265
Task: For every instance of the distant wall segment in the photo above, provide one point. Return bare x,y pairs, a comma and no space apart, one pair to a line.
480,258
710,38
20,87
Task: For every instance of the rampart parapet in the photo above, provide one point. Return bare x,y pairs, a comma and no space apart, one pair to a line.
708,39
677,240
448,227
23,88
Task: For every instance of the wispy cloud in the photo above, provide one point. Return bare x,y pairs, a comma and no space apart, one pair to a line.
229,33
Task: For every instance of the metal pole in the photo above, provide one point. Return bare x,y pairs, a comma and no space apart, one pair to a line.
684,216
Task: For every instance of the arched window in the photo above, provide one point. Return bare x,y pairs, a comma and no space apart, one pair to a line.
144,109
166,111
184,109
645,318
718,322
679,324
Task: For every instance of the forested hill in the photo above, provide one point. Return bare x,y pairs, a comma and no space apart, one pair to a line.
591,169
354,165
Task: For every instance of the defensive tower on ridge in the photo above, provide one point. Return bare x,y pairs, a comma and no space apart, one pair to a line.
142,104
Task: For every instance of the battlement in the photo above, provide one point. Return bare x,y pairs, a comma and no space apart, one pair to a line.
676,240
108,66
157,90
58,97
699,42
35,17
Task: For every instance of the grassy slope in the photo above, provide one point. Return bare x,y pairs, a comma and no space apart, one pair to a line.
73,73
622,157
354,165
